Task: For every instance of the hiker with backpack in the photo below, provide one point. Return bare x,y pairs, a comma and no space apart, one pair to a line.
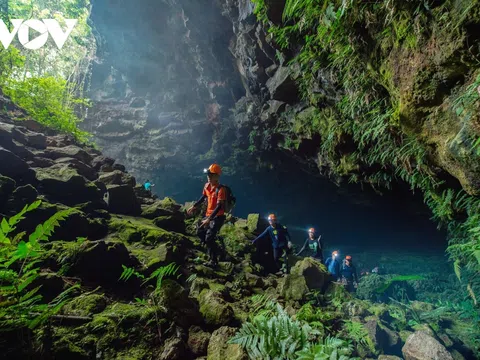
220,201
280,238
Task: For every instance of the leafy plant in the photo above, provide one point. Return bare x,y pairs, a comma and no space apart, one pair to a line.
329,348
274,337
357,332
20,305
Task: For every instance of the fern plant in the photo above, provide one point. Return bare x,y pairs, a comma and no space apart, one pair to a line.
357,332
275,337
20,305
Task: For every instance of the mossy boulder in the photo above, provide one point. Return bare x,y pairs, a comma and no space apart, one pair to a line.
181,309
100,262
255,223
236,241
122,200
215,311
292,287
86,305
220,349
64,184
421,346
314,272
198,341
171,223
138,230
174,349
355,308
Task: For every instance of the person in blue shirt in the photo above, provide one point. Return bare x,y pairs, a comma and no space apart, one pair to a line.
280,239
148,185
349,274
333,265
314,244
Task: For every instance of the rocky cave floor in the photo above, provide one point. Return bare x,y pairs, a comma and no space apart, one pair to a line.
194,312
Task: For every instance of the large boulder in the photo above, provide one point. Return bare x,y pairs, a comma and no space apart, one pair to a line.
70,151
122,200
180,308
11,165
64,184
117,177
421,346
198,341
174,223
314,271
101,262
292,287
220,349
82,168
214,309
174,349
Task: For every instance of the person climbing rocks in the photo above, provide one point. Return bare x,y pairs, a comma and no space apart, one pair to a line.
214,217
280,239
314,244
333,265
348,273
148,186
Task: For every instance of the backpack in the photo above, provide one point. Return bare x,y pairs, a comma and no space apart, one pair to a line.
231,200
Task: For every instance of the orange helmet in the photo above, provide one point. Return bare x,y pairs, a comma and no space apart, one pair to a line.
214,169
272,217
348,257
311,230
335,253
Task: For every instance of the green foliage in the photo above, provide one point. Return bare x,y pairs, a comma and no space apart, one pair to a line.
20,304
390,282
158,275
310,314
49,101
357,332
50,83
274,337
330,348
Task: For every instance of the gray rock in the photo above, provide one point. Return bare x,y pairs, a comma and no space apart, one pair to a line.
82,168
282,86
314,272
117,177
388,357
421,346
11,165
122,200
198,340
70,151
292,287
174,349
220,349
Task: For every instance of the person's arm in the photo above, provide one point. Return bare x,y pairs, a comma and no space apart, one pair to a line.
264,233
303,248
220,205
287,234
199,201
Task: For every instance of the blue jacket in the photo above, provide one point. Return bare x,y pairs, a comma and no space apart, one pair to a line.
333,266
279,235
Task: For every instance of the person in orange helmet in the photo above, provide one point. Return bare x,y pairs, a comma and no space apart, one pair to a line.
348,273
280,239
314,244
214,218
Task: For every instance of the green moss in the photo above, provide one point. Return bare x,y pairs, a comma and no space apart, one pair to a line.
133,230
85,305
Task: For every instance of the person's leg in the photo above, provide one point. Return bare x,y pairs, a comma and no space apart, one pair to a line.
213,229
201,232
